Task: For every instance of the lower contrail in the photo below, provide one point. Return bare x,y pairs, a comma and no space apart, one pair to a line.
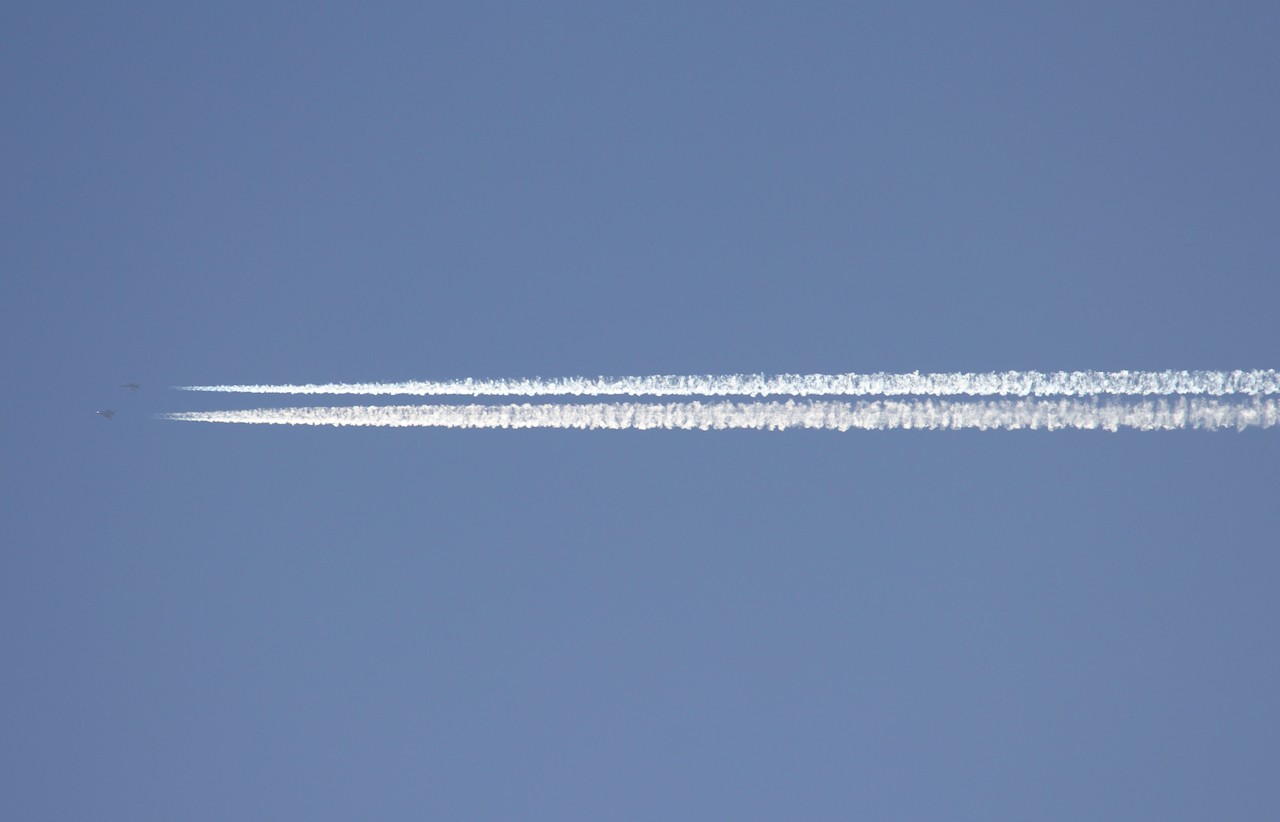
932,415
995,383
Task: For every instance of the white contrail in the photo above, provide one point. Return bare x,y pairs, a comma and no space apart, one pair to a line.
1002,383
1142,415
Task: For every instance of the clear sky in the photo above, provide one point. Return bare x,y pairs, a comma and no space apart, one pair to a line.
217,622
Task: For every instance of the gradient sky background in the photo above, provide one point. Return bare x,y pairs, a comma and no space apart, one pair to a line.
214,622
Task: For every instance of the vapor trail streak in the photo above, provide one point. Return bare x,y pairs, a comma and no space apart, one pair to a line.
1003,383
934,415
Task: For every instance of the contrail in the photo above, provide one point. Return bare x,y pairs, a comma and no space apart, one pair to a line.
1001,383
933,415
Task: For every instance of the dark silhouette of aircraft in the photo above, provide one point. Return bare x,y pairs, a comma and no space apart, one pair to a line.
109,413
132,386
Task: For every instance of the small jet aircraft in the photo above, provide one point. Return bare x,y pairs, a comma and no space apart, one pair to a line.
108,413
132,386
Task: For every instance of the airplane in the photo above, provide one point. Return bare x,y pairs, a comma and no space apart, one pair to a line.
109,413
132,386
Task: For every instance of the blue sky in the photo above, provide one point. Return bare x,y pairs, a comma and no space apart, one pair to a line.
214,622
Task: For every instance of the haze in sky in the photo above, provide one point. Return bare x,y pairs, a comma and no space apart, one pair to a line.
302,622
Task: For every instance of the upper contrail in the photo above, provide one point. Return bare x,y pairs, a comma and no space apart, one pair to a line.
994,383
1142,415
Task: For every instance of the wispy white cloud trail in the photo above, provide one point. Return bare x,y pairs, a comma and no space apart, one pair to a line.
1002,383
934,415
